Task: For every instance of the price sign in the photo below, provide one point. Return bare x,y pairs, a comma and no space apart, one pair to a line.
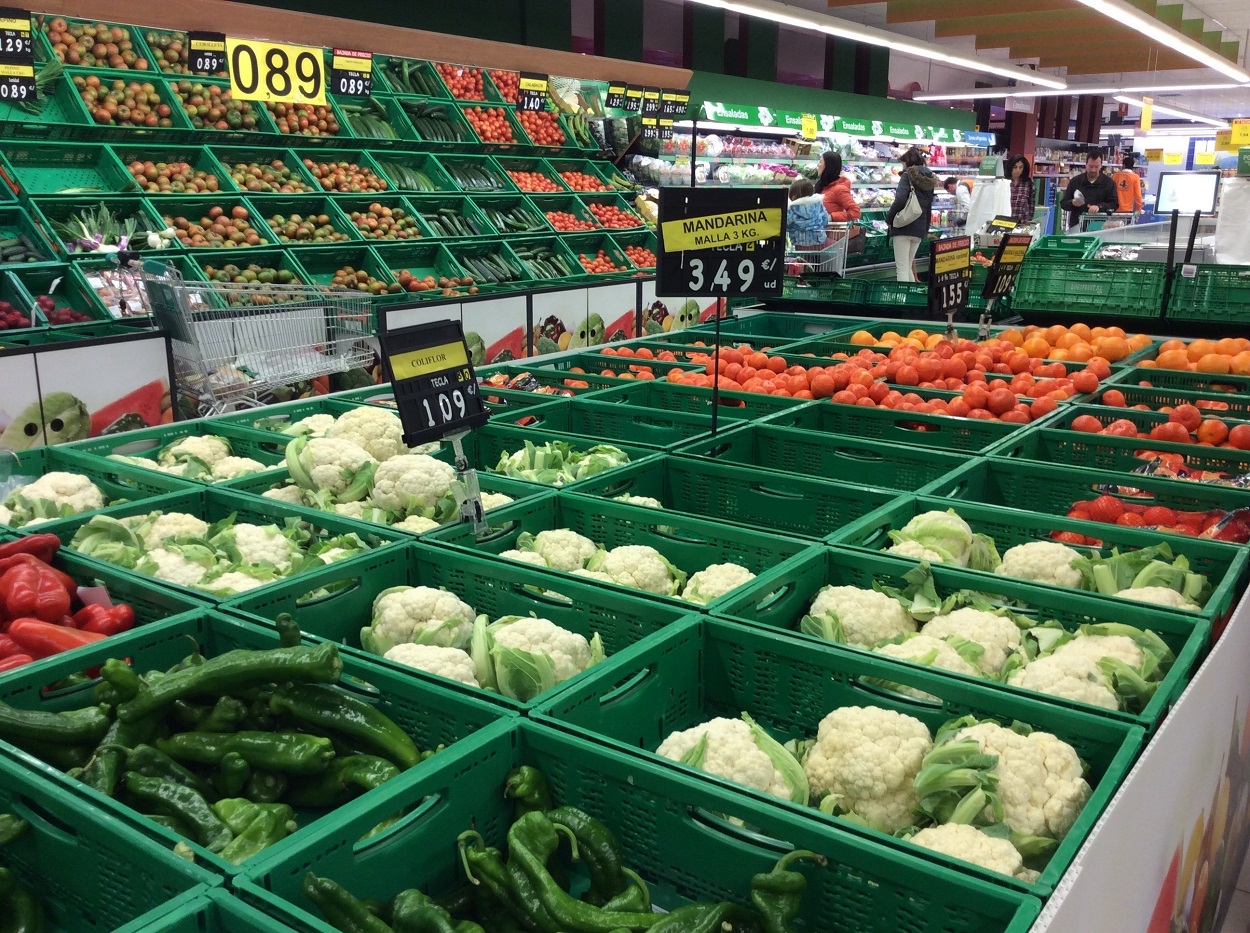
721,242
615,98
207,52
17,82
1007,261
633,98
15,39
666,128
276,72
651,102
808,126
650,128
950,275
532,92
1003,222
431,373
351,73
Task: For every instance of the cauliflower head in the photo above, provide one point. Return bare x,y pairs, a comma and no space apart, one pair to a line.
417,524
234,582
6,515
495,500
411,483
417,614
332,465
1159,596
961,841
1040,778
732,749
375,429
856,616
266,545
207,448
1072,676
917,551
228,468
292,495
73,490
864,762
525,557
1097,647
452,663
1046,562
569,652
997,635
715,581
930,652
649,502
163,527
640,567
175,567
561,548
314,425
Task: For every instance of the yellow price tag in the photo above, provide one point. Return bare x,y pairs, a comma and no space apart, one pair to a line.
809,126
276,72
415,363
1241,132
1204,158
1173,158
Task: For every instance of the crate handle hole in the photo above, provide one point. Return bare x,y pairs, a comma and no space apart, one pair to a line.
34,812
773,598
550,597
764,490
403,823
674,534
717,450
340,588
858,454
497,532
876,688
51,692
719,824
627,686
137,447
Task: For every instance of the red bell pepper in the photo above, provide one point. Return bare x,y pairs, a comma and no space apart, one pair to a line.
8,646
42,639
105,620
14,661
43,546
17,560
29,591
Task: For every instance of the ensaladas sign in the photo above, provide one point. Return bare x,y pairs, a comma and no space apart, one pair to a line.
745,115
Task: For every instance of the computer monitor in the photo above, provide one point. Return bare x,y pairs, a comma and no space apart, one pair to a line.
1187,192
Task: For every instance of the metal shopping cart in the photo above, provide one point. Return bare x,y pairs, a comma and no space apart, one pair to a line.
233,342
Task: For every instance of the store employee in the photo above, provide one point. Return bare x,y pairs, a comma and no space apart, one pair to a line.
1091,192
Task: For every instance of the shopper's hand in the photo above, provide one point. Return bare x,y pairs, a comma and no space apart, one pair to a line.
1093,208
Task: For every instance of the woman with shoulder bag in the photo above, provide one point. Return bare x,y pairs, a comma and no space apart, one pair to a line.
908,217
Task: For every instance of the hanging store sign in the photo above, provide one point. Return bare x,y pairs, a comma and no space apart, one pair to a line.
206,52
276,72
351,73
1224,141
1007,261
614,99
651,102
531,92
633,98
721,242
16,44
1240,132
950,275
431,372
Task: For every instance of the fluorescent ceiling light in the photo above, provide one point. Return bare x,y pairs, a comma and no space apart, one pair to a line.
992,93
1128,15
1175,112
819,22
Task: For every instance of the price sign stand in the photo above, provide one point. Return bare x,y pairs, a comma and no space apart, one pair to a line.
436,391
950,279
721,242
1001,277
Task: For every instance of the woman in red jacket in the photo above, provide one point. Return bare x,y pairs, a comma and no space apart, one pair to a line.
835,189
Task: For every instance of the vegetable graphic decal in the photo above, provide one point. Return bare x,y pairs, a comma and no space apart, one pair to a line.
61,419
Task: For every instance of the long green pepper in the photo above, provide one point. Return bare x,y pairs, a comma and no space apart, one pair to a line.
334,710
778,894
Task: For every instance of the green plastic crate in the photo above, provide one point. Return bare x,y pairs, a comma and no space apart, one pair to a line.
196,208
522,145
213,265
397,166
16,222
706,668
388,66
778,325
116,481
491,586
213,911
1064,247
517,204
819,288
659,816
268,207
546,378
1090,286
539,166
896,294
830,456
691,544
560,246
12,292
361,158
27,284
500,182
1219,294
90,874
420,260
1210,385
1237,405
198,157
431,714
428,208
63,117
781,601
79,113
1224,565
363,202
271,419
491,93
52,210
323,263
41,168
786,505
108,287
624,367
146,443
941,432
642,427
615,200
254,109
672,396
584,167
485,446
590,245
468,255
644,238
44,50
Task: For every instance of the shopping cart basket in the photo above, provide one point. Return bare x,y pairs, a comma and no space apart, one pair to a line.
232,342
822,261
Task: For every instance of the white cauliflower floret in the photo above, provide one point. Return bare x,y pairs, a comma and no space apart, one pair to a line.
411,483
1159,596
731,753
417,524
569,652
1097,647
916,551
174,568
452,663
961,841
643,568
349,509
525,557
647,501
208,448
235,467
597,575
292,495
332,463
998,635
1040,778
864,617
495,500
231,583
265,544
929,651
71,489
172,525
1042,562
868,757
6,516
314,425
1070,676
715,581
562,548
419,614
378,431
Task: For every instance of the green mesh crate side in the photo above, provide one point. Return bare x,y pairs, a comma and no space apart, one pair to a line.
486,446
69,291
422,162
146,443
48,168
213,911
1090,286
431,714
1212,293
777,325
1064,247
656,814
709,668
1224,565
1120,454
814,288
49,211
897,294
284,205
1144,420
90,874
1236,406
16,221
671,396
941,432
794,506
546,377
198,157
643,427
419,258
831,456
63,117
1209,384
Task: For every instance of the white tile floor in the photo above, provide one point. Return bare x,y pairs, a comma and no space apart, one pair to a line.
1237,920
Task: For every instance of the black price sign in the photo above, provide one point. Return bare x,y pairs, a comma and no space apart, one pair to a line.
1007,262
17,82
1003,222
16,44
431,372
532,92
207,52
666,129
673,102
721,242
950,275
651,102
650,128
615,98
351,73
633,98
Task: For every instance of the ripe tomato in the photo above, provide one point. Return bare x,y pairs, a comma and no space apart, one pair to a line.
1187,415
1121,428
1001,401
1239,437
1170,431
1105,509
